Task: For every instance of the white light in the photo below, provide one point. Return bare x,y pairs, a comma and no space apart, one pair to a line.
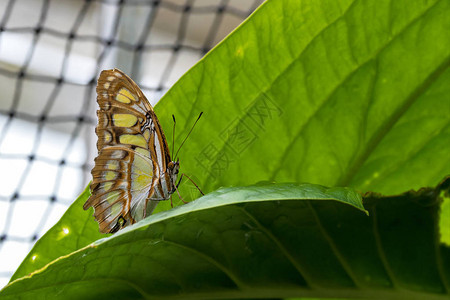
47,58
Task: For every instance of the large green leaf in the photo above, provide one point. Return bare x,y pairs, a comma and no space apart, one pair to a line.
262,241
347,93
77,229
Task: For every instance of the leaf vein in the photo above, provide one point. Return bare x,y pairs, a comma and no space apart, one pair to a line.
380,249
309,281
333,246
211,260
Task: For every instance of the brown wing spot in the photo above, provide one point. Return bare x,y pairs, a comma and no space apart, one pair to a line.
105,105
103,120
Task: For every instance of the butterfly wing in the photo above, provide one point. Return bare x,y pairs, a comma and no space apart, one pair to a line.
129,161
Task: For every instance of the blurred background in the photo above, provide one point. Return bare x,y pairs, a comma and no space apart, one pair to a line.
51,53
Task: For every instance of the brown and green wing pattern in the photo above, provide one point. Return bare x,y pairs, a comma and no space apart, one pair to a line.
126,169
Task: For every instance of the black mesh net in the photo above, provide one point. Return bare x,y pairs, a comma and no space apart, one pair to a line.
51,53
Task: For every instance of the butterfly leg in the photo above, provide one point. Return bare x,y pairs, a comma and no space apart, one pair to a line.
179,181
181,198
193,183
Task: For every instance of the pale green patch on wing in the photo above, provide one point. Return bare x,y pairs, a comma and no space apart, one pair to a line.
130,139
141,182
124,120
113,165
107,185
109,175
111,197
116,209
141,171
125,96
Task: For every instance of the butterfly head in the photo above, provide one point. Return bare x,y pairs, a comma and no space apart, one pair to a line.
173,168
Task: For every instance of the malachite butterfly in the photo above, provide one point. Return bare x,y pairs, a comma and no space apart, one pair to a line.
133,170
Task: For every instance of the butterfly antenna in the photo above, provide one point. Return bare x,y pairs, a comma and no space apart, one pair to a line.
188,134
173,134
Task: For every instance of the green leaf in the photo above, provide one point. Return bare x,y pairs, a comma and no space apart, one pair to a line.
76,228
272,240
339,93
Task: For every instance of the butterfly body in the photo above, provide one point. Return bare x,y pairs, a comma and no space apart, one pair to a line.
133,170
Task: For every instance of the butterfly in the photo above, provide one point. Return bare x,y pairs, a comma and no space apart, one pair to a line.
133,170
